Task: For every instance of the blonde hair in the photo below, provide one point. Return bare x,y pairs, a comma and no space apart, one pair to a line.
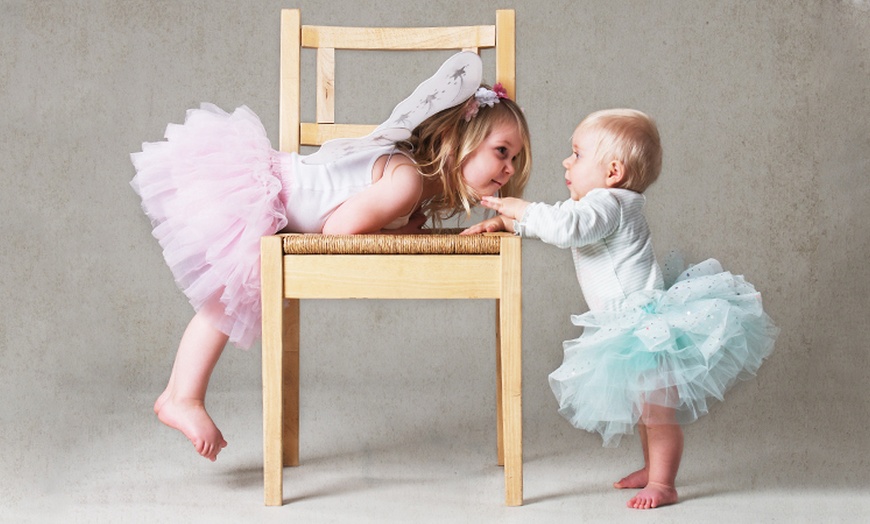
441,144
630,137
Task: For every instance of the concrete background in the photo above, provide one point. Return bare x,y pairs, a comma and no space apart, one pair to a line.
763,111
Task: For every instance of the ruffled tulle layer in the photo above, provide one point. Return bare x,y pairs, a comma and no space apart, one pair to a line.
680,349
211,190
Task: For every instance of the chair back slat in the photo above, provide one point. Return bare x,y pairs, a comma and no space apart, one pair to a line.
327,39
398,38
325,85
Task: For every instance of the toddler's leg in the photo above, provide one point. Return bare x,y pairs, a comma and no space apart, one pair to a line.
182,405
639,478
665,449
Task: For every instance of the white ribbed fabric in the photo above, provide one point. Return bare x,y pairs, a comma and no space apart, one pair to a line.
609,238
312,192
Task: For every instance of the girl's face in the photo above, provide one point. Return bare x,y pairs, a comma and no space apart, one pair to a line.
583,172
491,165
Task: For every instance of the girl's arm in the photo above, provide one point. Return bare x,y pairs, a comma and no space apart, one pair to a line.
414,226
395,194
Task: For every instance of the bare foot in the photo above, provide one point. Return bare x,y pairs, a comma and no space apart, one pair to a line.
160,401
190,418
654,495
636,480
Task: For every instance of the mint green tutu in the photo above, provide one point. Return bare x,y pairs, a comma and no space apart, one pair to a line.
681,348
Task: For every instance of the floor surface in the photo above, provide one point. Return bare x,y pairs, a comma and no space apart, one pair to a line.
397,467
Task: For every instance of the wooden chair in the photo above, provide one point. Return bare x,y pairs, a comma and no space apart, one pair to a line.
296,267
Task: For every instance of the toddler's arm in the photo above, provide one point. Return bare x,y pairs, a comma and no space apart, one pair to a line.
565,224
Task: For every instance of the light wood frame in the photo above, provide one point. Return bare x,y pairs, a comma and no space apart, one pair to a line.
286,279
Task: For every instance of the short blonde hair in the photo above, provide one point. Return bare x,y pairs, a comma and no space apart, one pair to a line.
631,137
442,143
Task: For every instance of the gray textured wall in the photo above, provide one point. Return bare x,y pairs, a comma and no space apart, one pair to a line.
762,106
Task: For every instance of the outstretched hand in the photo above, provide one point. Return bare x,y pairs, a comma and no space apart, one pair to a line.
508,207
491,225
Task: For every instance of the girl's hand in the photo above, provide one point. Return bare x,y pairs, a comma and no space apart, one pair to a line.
491,225
508,207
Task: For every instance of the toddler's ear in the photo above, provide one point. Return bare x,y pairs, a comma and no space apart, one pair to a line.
615,173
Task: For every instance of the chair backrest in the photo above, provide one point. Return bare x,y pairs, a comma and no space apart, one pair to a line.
326,39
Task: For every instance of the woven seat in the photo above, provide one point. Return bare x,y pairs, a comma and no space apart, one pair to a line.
436,266
447,243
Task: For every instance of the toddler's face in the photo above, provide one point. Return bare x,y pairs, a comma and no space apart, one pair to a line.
583,172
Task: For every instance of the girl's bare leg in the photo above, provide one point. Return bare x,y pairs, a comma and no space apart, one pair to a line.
181,406
639,478
665,445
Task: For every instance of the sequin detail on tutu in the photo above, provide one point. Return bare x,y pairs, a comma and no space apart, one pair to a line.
681,348
211,190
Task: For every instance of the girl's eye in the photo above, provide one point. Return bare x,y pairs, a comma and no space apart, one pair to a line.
502,150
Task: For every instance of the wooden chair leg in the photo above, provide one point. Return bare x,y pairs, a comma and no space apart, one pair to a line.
271,253
499,419
510,328
290,381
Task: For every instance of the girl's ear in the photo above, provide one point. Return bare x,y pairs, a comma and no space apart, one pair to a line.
615,174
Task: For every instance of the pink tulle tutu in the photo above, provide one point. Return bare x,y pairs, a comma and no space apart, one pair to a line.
211,190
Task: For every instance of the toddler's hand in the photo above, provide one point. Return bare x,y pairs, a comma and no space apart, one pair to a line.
508,207
491,225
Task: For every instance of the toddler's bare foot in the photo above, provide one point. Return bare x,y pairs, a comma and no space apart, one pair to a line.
636,480
190,418
654,495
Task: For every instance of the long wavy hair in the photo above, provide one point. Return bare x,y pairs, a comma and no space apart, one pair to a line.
441,144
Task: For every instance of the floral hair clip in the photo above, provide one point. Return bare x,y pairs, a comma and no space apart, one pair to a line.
484,96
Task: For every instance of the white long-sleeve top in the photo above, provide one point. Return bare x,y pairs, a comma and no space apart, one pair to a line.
609,238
